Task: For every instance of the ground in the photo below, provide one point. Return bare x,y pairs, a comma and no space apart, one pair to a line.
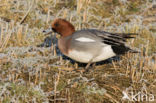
32,69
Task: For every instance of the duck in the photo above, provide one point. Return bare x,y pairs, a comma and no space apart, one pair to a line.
89,45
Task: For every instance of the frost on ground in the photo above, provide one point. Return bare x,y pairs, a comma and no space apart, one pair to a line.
32,69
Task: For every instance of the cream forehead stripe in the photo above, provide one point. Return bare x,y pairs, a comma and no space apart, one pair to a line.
84,39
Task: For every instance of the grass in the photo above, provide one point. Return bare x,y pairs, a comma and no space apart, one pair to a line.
29,73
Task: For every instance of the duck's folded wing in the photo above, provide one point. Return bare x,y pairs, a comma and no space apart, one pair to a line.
115,39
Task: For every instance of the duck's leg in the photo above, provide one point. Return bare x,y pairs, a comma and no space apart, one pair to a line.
94,65
88,65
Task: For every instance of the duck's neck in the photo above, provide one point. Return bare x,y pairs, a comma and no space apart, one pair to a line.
67,32
64,44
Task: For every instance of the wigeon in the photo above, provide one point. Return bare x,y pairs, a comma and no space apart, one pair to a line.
89,45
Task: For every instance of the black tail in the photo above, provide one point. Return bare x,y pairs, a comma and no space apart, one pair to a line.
123,49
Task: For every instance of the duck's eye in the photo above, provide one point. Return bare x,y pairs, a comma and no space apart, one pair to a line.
56,24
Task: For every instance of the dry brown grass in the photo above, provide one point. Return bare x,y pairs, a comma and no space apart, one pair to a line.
38,74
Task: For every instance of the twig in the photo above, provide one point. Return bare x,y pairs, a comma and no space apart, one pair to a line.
21,22
55,85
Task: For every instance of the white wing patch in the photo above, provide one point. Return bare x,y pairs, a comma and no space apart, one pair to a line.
84,39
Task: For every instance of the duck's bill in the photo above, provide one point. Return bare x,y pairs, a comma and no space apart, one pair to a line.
48,31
